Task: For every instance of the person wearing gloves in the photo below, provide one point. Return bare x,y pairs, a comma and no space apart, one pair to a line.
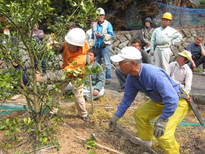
102,34
75,57
162,38
180,71
165,105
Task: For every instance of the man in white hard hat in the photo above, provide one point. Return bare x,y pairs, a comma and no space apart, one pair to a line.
180,71
162,38
103,33
120,75
74,58
164,105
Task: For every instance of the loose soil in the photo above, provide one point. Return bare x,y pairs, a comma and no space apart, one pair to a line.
191,138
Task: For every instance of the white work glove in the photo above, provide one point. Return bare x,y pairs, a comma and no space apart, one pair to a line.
107,37
113,122
159,127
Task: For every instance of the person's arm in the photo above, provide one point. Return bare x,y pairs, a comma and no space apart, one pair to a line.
129,96
57,75
148,37
110,33
176,37
188,80
141,36
170,69
193,63
188,48
41,34
169,96
1,62
153,40
100,81
202,50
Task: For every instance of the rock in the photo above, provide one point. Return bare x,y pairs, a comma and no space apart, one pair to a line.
112,52
122,39
181,48
185,44
193,32
123,44
117,50
116,43
174,49
128,36
135,34
186,33
189,40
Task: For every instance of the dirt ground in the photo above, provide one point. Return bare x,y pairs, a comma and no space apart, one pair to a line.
191,138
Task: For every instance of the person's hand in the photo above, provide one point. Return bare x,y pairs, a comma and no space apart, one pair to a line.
193,65
113,122
14,64
147,44
201,45
39,77
98,35
95,92
159,127
34,35
189,99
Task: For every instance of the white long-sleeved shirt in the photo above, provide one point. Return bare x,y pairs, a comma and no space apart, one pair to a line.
166,35
181,74
89,38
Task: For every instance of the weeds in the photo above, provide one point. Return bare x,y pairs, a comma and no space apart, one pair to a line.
17,132
91,144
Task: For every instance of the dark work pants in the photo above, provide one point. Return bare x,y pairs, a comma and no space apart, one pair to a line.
199,60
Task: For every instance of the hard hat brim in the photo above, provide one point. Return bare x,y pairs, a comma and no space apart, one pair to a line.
116,58
181,54
167,18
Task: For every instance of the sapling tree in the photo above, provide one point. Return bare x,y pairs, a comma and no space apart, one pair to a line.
24,56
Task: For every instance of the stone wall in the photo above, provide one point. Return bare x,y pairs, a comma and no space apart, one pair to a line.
123,38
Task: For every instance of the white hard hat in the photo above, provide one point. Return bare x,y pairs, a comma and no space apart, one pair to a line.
76,36
100,11
127,53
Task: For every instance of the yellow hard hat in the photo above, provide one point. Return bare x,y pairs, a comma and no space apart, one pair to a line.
167,15
185,54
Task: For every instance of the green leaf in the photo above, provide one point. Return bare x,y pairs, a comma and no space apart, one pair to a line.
91,152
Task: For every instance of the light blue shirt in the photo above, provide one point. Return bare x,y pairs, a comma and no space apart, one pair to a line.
156,84
104,28
166,35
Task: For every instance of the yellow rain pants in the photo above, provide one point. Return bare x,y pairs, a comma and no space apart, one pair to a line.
150,111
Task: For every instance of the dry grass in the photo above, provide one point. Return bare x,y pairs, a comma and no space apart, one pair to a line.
191,138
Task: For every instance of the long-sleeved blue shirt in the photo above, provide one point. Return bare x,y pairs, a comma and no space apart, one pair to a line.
194,49
156,84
